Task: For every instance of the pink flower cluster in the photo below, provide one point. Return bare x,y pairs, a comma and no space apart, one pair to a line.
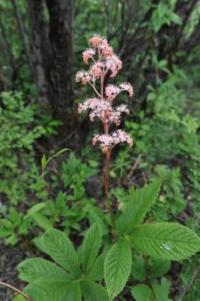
104,63
109,141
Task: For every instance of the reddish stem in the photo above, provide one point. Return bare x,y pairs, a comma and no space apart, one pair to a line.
106,173
108,152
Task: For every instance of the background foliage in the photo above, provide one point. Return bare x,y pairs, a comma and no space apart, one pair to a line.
41,44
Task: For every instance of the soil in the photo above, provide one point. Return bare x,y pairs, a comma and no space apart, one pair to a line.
10,257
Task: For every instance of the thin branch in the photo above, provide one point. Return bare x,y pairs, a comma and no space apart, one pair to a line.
190,284
95,90
134,167
16,290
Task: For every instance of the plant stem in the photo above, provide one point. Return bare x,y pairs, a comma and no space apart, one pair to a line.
16,290
107,154
106,173
102,86
95,90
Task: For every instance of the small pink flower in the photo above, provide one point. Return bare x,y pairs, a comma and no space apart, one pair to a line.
127,87
98,108
83,77
105,49
122,137
97,69
101,110
115,116
109,141
122,109
95,41
114,64
111,92
88,54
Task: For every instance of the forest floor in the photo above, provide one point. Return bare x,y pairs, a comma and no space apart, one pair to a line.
10,257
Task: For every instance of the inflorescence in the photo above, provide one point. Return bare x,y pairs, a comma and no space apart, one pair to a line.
104,63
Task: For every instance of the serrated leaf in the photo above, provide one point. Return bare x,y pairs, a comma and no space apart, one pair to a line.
142,292
37,268
139,271
42,221
158,267
170,241
90,247
137,208
96,272
93,291
55,290
117,267
36,208
58,246
162,290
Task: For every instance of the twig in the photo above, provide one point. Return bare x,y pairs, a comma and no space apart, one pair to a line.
16,290
133,168
145,178
190,284
93,86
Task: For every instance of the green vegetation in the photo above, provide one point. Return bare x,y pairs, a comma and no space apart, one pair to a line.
137,244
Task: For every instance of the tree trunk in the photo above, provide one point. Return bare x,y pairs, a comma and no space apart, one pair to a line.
61,40
22,32
13,65
39,50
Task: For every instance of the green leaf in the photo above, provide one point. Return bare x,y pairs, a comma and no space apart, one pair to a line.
37,268
19,298
93,291
138,268
36,208
143,292
117,267
44,162
58,246
96,272
158,267
136,209
42,221
165,240
162,290
55,290
90,247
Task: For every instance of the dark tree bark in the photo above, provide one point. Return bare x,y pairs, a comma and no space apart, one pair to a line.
61,40
52,55
11,59
39,50
2,81
22,33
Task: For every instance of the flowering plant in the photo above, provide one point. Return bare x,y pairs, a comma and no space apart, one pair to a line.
104,64
104,264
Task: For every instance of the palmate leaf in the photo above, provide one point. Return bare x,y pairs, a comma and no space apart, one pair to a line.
90,247
54,290
170,241
33,269
58,246
93,291
117,267
137,208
